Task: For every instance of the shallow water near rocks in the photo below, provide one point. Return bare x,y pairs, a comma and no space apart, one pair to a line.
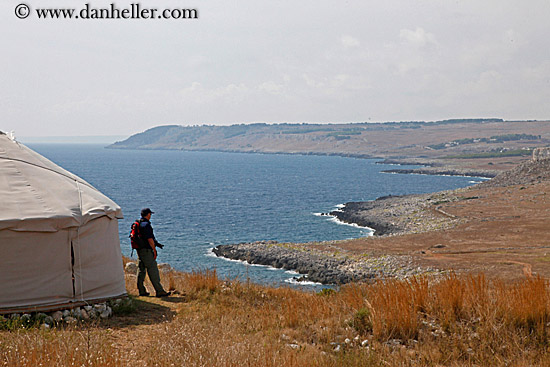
204,199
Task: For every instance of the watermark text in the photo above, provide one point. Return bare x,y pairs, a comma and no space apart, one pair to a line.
112,11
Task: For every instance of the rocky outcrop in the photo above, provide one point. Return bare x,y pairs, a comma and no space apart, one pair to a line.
443,171
540,154
535,170
318,266
370,214
391,215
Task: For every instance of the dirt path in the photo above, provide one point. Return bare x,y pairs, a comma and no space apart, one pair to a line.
131,334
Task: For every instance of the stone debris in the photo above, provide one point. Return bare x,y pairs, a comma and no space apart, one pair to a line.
69,316
57,316
100,307
106,313
76,312
131,268
70,320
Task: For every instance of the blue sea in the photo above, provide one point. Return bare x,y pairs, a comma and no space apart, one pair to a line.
204,199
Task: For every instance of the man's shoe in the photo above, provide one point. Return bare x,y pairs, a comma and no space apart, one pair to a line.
165,294
146,294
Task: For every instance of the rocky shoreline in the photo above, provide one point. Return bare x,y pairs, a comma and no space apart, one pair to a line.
393,215
326,263
443,171
316,265
435,168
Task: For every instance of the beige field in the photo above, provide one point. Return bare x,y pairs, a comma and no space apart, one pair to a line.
505,234
449,321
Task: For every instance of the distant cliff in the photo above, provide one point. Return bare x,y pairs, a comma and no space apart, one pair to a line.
391,139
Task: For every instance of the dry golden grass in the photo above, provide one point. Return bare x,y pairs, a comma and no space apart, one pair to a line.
450,321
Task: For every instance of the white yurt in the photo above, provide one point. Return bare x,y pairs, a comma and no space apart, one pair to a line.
59,243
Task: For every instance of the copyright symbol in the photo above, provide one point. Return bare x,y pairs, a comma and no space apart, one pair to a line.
22,11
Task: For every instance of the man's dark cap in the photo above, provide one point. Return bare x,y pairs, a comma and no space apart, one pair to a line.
146,211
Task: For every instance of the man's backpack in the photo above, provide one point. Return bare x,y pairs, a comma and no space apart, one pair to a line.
135,239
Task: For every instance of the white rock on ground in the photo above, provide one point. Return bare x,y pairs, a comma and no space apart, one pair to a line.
70,320
105,314
76,312
100,307
164,267
131,268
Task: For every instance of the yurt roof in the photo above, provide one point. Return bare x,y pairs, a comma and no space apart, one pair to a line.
38,195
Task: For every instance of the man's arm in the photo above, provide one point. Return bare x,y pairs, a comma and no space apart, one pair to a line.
152,244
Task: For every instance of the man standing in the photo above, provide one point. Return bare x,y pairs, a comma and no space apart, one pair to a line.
147,254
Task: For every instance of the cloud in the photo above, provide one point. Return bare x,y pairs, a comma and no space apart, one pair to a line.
512,36
312,82
487,82
272,87
349,41
418,37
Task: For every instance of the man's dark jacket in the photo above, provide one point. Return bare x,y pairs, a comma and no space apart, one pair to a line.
145,232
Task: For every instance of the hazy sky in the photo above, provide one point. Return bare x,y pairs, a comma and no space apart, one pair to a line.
273,61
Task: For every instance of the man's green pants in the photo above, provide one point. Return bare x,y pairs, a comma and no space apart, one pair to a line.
148,265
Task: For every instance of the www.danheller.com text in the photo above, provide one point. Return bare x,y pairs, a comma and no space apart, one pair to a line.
112,11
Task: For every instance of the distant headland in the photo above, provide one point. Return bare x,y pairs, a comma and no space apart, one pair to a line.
467,147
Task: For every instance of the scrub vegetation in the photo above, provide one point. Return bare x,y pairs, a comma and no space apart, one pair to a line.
426,321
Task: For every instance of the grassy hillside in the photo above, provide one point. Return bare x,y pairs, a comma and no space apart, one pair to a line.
451,321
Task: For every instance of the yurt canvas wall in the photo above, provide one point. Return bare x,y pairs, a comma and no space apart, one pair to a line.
59,240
